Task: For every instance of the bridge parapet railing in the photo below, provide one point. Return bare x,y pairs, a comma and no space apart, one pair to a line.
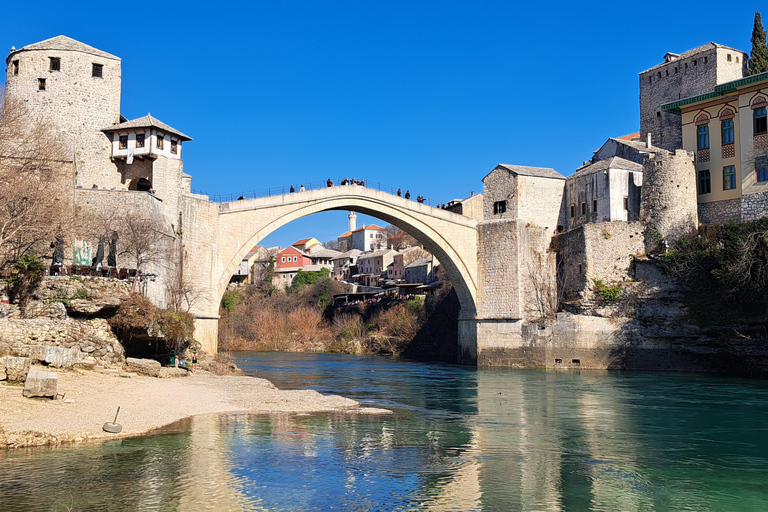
313,185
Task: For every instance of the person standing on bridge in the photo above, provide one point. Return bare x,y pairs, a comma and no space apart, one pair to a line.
292,189
302,189
399,192
329,182
407,194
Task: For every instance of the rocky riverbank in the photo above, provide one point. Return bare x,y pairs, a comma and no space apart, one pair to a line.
90,398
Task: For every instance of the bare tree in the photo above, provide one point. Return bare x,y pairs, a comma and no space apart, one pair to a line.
142,237
181,293
34,171
398,239
415,253
542,280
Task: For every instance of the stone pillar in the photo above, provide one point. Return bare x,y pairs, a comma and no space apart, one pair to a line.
207,333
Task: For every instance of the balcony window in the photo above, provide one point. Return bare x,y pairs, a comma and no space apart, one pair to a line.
139,140
174,145
160,141
123,144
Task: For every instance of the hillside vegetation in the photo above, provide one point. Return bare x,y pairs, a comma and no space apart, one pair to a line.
303,318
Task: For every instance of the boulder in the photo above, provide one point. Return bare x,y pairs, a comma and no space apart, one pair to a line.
166,373
16,368
61,357
143,366
42,384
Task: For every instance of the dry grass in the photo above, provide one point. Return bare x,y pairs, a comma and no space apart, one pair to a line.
402,321
273,329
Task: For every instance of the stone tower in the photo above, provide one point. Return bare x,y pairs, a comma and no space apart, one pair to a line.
668,198
76,88
352,221
680,76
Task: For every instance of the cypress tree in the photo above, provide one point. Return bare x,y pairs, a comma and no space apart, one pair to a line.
758,58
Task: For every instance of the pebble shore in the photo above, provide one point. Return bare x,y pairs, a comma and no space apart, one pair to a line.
91,398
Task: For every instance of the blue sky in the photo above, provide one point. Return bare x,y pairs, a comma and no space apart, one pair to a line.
426,96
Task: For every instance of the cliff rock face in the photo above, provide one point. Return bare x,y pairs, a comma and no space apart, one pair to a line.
65,324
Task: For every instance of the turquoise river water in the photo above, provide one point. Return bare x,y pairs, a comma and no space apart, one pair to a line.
460,439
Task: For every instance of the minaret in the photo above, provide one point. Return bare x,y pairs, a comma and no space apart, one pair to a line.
352,221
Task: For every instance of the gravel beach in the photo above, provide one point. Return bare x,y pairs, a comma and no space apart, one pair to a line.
92,397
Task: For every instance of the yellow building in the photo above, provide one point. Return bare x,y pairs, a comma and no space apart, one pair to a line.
727,131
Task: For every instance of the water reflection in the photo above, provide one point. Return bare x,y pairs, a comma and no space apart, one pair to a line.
460,439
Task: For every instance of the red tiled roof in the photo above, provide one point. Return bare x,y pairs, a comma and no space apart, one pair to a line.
348,233
631,136
370,226
302,241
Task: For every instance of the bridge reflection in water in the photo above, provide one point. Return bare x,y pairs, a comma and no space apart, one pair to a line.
459,439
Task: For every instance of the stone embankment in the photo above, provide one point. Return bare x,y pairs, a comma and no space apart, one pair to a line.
65,323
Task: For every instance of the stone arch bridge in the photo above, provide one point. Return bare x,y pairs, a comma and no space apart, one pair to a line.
217,236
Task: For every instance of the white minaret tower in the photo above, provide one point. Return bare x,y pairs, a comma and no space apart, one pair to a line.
352,221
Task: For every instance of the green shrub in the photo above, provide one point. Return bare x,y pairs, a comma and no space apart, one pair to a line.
724,271
606,294
229,301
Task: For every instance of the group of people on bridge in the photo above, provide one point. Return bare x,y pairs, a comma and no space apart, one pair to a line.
419,198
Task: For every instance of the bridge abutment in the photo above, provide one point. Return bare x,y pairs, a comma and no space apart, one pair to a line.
207,333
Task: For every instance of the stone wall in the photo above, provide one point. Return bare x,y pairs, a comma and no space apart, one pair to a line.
604,251
77,104
697,73
499,276
668,197
102,208
500,185
754,206
200,231
49,335
539,202
718,212
89,342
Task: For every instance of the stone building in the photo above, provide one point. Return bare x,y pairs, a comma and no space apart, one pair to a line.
604,191
691,73
471,206
420,271
524,194
369,238
725,128
345,264
120,167
76,88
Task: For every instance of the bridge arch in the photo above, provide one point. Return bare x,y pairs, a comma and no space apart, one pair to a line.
452,238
